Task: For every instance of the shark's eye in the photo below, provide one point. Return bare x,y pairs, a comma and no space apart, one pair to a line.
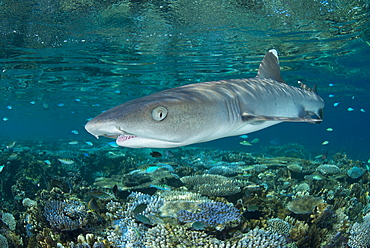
159,113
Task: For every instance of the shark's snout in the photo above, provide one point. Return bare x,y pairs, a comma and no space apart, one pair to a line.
97,129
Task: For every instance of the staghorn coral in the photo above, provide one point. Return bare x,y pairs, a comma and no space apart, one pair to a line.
167,236
360,234
279,226
259,238
213,213
65,215
304,205
213,185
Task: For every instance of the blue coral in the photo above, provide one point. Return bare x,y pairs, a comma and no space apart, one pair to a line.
212,214
65,216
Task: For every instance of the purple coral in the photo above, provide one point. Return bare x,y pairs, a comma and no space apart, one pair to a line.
65,216
213,213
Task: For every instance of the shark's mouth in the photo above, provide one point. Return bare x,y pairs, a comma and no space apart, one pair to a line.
123,138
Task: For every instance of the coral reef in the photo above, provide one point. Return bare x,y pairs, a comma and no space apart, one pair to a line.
195,197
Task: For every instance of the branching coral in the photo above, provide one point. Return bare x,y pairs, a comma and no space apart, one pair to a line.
213,213
360,234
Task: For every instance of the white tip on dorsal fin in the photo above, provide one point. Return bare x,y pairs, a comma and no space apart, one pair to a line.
269,67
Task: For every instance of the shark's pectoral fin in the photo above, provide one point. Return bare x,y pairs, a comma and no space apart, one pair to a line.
257,119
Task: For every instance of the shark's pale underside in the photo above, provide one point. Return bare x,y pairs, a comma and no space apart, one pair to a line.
207,111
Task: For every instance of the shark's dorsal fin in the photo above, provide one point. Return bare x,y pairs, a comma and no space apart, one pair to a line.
269,67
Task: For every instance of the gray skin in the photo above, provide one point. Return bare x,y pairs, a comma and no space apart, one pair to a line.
207,111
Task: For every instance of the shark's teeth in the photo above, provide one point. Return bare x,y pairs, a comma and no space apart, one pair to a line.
123,138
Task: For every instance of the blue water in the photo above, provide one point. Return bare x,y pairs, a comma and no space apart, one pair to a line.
63,63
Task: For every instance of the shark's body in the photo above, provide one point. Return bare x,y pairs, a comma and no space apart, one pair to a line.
207,111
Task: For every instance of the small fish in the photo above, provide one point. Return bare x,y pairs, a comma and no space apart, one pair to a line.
156,154
350,109
151,169
100,194
331,95
47,162
5,119
199,225
75,142
245,143
74,131
143,219
60,104
13,156
244,136
10,145
329,129
32,102
362,110
160,187
139,208
336,104
2,168
93,204
135,171
66,161
255,140
113,144
9,107
331,85
325,142
89,143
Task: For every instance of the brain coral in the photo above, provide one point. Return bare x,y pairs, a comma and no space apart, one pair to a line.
213,185
304,205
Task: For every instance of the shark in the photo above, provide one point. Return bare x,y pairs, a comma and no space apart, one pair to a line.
207,111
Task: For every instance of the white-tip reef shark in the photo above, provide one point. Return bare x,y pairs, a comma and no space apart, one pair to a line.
211,110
